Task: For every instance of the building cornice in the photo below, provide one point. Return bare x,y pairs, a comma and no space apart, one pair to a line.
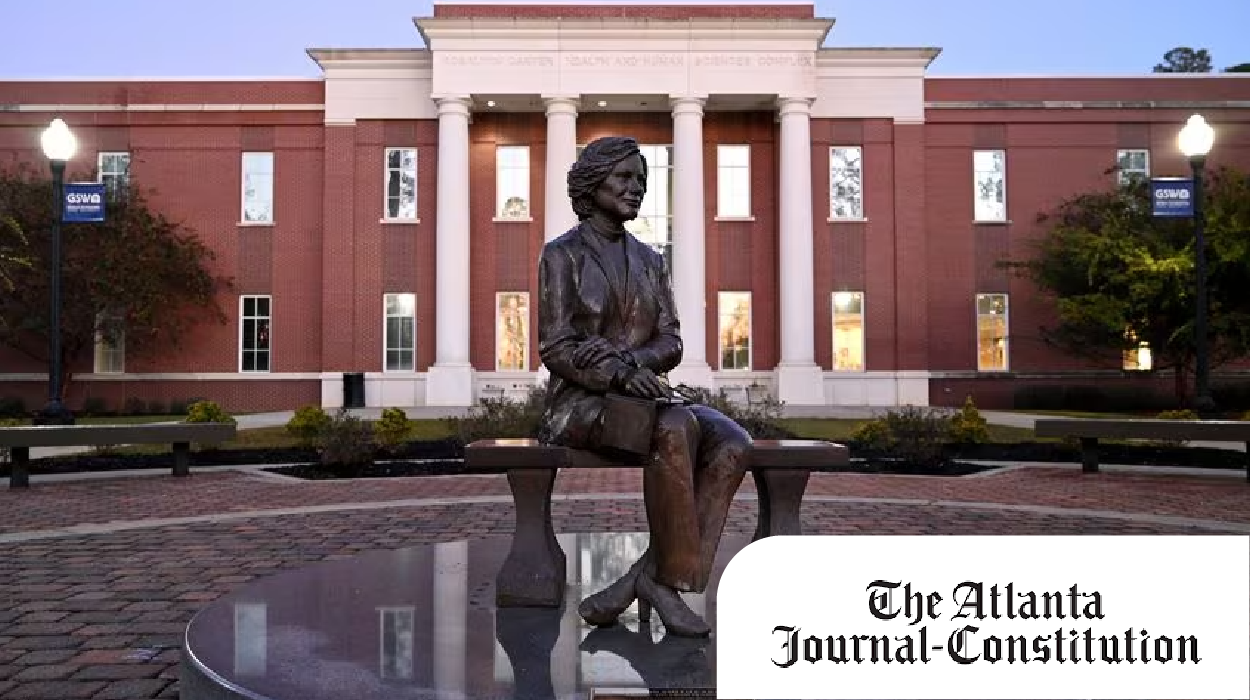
1087,104
503,30
162,107
877,57
370,58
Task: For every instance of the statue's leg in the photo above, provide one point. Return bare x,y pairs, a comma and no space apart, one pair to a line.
724,456
668,490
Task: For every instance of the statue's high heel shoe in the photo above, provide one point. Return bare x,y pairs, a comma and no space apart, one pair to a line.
603,608
677,617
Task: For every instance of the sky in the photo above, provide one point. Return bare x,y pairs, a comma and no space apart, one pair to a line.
167,38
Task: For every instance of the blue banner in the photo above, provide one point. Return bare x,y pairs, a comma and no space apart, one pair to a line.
1172,197
83,201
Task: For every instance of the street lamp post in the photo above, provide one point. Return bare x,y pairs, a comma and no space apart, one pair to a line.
1195,141
59,145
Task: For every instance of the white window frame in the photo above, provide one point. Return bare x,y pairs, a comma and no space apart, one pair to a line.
103,176
525,349
1006,330
264,187
727,177
1123,176
724,298
833,330
392,664
387,346
500,203
387,171
856,204
108,358
977,215
242,319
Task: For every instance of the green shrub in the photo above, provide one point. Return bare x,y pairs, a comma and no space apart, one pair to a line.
94,406
5,452
207,412
348,446
501,418
911,434
308,424
393,429
12,407
873,434
968,426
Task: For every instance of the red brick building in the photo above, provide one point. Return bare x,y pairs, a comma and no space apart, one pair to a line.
832,215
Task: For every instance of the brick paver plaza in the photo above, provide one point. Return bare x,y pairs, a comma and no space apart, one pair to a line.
99,577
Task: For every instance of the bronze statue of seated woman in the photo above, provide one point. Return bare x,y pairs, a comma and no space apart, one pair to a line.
609,332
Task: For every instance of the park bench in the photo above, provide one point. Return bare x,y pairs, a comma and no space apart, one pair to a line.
1089,430
533,575
19,440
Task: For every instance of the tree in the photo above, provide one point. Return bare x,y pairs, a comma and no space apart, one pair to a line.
1120,276
1239,68
1183,59
137,273
13,243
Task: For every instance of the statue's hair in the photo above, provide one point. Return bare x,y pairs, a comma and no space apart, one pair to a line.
593,167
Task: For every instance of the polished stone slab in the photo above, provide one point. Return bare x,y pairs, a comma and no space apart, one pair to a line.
420,622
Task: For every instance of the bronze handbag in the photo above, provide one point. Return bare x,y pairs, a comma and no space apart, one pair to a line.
627,424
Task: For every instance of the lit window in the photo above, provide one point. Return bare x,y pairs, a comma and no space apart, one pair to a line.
1133,164
258,188
113,169
735,330
848,331
846,182
110,345
990,183
401,183
512,182
401,332
733,181
512,325
1138,358
991,332
254,339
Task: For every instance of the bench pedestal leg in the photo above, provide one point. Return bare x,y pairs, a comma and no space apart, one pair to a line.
182,458
780,495
19,476
533,574
1089,455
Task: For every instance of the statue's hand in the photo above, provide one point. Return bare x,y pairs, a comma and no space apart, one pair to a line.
643,382
592,352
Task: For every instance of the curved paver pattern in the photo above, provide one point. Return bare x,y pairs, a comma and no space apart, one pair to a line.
101,615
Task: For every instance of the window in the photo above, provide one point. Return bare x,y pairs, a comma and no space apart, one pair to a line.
401,183
654,223
991,332
512,325
113,170
990,183
1138,358
110,345
846,182
401,331
258,188
397,630
512,182
848,331
254,337
733,181
735,330
1132,164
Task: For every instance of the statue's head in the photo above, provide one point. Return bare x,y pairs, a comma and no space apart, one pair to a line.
609,177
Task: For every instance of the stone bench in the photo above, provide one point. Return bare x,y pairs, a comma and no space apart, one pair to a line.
533,575
1089,430
19,439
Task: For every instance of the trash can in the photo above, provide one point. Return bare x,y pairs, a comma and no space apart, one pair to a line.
353,389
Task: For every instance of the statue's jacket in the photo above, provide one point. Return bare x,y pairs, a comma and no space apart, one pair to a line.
582,295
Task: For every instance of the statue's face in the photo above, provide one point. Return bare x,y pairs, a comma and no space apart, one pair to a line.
620,194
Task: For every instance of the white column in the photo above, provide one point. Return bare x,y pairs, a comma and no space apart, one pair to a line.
451,617
561,153
558,215
689,257
799,379
450,380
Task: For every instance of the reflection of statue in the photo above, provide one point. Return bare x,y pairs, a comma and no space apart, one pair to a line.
607,323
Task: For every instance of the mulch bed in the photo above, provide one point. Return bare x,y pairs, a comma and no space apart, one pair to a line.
443,457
